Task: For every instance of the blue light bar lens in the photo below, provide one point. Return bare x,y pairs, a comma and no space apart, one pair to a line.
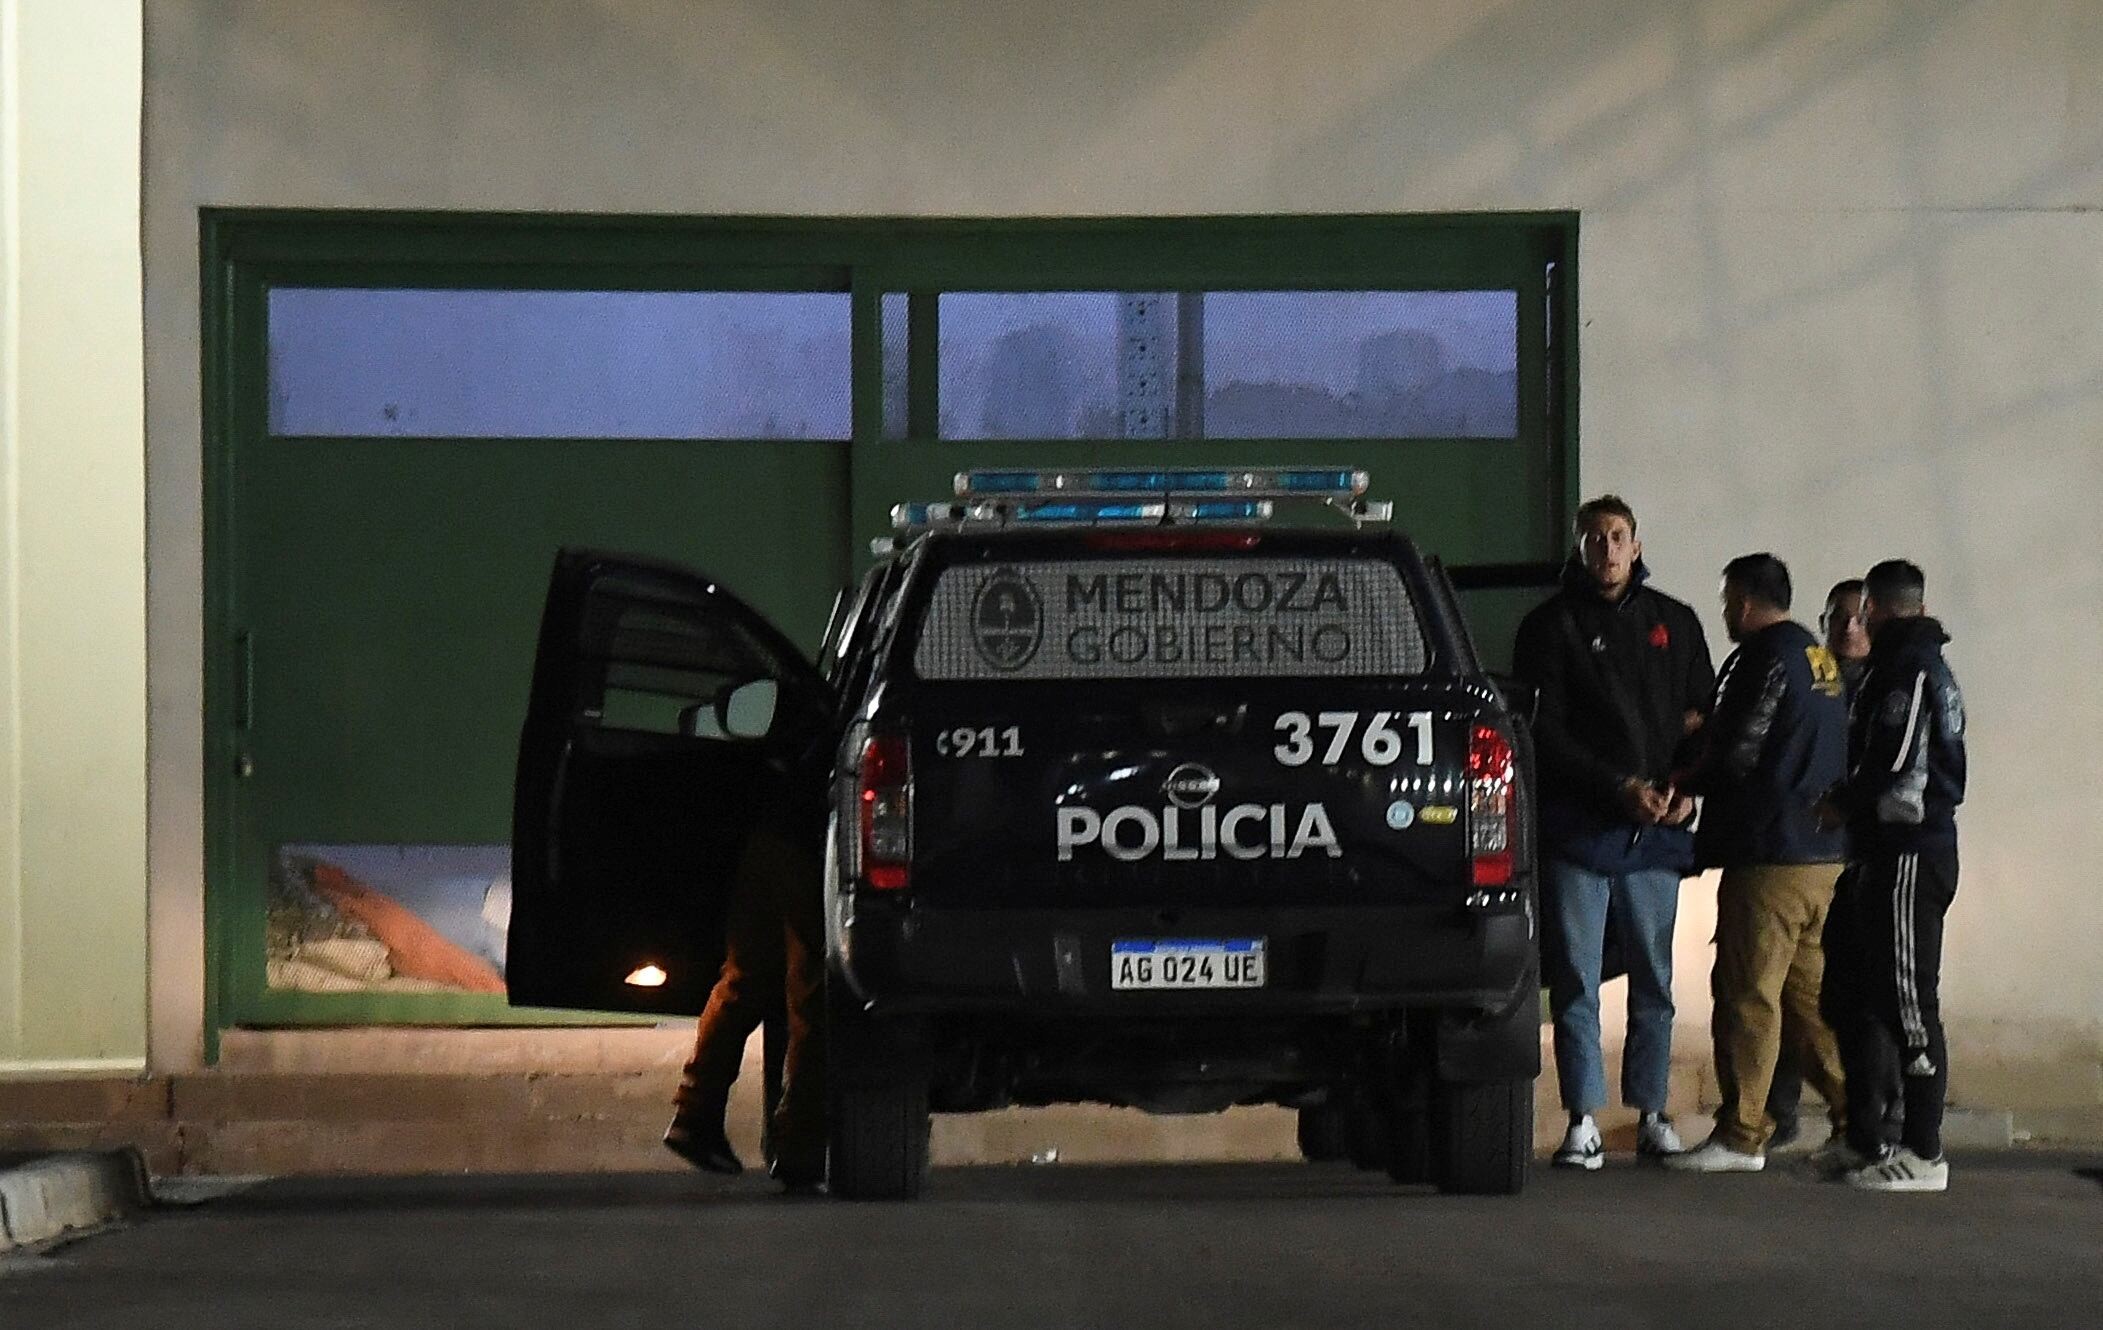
1156,482
1315,480
1120,481
1050,512
1086,512
1227,511
999,482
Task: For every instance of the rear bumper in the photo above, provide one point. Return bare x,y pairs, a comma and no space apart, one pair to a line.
904,959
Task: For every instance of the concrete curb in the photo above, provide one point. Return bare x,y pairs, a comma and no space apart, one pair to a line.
47,1196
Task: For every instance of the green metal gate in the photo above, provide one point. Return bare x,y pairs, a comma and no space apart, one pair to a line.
372,597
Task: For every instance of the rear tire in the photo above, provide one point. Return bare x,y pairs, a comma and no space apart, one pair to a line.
1365,1132
877,1130
1321,1132
1409,1145
1482,1136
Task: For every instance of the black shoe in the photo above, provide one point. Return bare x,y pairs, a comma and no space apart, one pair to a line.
1786,1130
708,1151
797,1180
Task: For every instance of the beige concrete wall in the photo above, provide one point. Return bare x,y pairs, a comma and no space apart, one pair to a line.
72,542
1840,270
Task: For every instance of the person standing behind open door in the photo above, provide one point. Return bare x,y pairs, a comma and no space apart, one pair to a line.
774,964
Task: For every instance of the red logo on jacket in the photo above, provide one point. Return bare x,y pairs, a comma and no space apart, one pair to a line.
1660,636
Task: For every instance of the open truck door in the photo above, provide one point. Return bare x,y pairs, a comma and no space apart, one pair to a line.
667,720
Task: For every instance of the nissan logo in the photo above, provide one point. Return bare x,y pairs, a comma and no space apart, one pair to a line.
1190,785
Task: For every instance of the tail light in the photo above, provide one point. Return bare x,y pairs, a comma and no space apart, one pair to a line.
884,797
1493,809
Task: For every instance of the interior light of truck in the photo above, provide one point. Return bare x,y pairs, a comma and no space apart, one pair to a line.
646,976
885,801
1492,806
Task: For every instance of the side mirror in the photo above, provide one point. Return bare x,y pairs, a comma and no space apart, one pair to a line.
1523,698
747,711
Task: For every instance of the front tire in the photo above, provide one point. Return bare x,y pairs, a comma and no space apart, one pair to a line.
878,1126
1482,1136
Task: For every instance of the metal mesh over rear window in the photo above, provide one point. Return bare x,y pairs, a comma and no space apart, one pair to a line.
1164,618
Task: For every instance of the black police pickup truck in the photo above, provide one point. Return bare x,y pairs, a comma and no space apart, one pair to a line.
1129,795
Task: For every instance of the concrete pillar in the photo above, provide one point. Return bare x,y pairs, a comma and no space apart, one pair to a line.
72,541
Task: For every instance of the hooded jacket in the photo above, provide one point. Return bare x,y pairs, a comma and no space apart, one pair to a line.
1616,681
1774,744
1905,745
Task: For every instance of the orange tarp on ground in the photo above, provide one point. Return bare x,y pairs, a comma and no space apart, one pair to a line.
414,948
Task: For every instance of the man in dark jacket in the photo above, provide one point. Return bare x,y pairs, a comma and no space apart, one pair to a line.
1884,937
1623,676
1775,742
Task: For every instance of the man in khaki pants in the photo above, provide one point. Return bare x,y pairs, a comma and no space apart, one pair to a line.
1775,742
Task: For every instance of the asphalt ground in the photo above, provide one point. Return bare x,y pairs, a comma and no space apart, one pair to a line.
2018,1240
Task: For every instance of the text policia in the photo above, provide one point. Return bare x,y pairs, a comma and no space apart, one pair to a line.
1244,831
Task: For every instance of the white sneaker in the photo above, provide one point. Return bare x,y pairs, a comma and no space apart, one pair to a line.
1902,1170
1655,1138
1713,1156
1581,1147
1835,1159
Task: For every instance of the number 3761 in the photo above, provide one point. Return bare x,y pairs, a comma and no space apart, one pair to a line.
1379,742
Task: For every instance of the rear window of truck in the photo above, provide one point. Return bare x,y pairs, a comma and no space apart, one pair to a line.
1170,618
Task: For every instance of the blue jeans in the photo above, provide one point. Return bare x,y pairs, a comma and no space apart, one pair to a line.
1644,905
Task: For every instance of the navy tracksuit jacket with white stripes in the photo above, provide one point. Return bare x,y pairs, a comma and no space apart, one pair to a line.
1905,745
1884,936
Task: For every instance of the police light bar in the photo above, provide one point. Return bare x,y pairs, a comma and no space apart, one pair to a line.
1073,512
1275,483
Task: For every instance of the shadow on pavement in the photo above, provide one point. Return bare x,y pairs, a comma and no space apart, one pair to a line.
1094,1185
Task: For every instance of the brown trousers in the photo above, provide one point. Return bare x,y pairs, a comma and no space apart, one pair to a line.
1770,966
773,965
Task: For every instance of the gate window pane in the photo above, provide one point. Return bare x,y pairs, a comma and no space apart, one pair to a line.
1230,365
559,364
1361,364
1058,365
